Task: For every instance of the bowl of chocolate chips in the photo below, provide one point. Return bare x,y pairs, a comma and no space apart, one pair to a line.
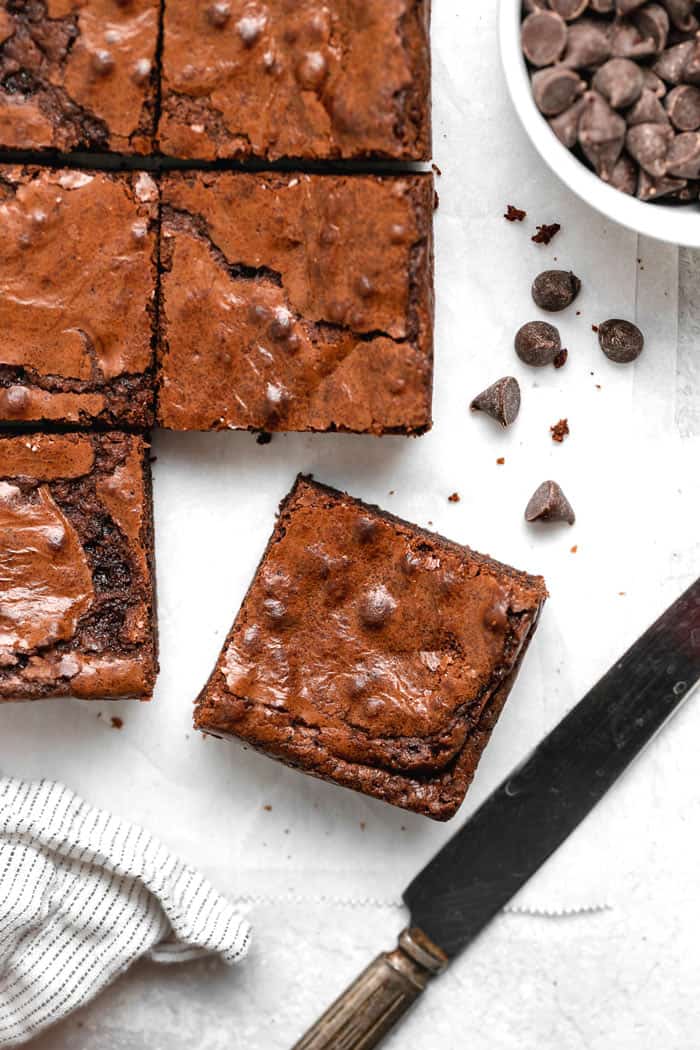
609,93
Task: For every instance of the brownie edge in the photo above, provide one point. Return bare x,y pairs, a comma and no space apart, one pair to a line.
371,653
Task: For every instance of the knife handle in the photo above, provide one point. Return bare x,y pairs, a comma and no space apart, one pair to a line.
379,998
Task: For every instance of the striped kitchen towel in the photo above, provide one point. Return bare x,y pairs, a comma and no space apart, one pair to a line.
83,895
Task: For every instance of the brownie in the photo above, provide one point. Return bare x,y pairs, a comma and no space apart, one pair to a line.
299,302
78,272
77,609
296,78
371,653
78,74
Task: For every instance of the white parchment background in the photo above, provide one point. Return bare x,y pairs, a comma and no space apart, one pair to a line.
323,869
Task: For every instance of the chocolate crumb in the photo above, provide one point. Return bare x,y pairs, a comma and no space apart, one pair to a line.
268,808
263,438
454,498
560,430
513,214
501,460
546,233
117,722
561,358
594,327
501,401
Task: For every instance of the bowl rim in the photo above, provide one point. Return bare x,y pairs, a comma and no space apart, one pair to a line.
660,222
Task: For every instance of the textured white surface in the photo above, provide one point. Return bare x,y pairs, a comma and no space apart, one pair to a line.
626,976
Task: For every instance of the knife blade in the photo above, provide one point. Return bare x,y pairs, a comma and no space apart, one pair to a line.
520,825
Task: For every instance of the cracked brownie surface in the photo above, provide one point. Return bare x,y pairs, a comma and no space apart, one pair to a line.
77,613
296,78
78,270
296,302
371,653
78,74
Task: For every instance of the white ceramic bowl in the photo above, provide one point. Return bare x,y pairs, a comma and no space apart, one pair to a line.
666,222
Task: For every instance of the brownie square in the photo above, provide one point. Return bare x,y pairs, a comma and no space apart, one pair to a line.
78,272
295,78
371,653
78,74
77,602
296,302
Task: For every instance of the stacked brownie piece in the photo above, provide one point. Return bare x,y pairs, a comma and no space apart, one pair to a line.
270,296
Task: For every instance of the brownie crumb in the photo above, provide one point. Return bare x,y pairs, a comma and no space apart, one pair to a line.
501,460
546,233
594,327
561,358
598,386
117,722
363,825
574,549
436,169
267,807
560,430
263,438
152,459
454,498
436,200
513,214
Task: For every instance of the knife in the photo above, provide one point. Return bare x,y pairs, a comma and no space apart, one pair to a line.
520,825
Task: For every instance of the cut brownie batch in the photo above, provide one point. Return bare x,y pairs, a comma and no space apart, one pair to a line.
266,296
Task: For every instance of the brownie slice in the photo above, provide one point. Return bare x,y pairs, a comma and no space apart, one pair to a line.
372,653
295,78
298,302
78,74
78,271
77,602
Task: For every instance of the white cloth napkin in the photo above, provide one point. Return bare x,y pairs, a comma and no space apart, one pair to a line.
82,896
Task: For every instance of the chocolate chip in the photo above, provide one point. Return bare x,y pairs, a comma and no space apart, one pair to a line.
587,45
565,125
624,175
263,438
554,290
55,537
377,607
670,64
537,343
277,612
650,189
366,530
647,110
501,401
548,503
218,14
653,23
496,616
311,70
683,106
683,157
250,28
543,37
141,71
16,400
601,133
620,81
649,145
561,358
556,89
620,341
568,9
102,62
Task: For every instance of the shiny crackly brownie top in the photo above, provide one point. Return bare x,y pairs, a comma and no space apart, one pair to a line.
77,290
75,578
369,638
296,78
296,302
78,74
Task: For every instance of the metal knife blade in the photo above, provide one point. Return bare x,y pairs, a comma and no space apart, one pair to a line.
546,798
520,826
